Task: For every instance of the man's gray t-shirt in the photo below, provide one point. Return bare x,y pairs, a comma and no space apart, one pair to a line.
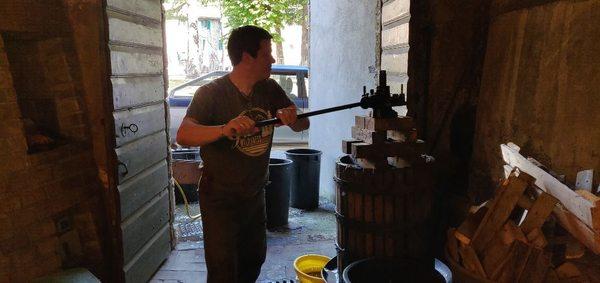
241,165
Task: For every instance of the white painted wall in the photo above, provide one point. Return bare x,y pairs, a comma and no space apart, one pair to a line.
343,50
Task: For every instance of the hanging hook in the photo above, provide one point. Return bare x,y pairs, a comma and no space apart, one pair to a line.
124,166
132,127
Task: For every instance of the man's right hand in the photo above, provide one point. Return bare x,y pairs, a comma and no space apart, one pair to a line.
239,126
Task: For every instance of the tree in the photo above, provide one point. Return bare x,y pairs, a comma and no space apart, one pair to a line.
271,15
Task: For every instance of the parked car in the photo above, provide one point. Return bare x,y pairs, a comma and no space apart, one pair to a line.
293,79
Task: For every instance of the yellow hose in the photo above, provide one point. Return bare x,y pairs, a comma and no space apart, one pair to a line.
185,202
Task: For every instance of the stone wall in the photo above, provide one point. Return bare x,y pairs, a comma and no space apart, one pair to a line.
51,210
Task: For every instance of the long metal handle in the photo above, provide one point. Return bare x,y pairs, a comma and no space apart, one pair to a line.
308,114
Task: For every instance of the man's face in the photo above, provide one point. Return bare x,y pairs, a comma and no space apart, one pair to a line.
263,61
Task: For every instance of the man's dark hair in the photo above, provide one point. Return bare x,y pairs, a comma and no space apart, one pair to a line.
245,39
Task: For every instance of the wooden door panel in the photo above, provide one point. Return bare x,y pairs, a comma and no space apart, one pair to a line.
146,8
144,223
127,61
139,155
136,46
148,260
137,123
132,91
138,190
131,30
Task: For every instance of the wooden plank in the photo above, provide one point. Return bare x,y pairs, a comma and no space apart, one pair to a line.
512,189
514,264
146,8
400,123
368,136
496,254
144,223
129,92
122,30
525,202
137,156
467,229
568,271
471,261
574,249
512,230
551,277
359,121
147,261
578,229
589,196
397,162
452,244
583,209
410,151
399,136
537,239
140,189
540,210
347,145
137,123
378,162
135,61
536,267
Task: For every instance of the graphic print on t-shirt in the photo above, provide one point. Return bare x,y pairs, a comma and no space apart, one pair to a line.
256,144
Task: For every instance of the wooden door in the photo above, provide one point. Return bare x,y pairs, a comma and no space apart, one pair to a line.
135,44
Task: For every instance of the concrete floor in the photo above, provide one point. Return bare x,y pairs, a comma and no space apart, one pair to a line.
307,232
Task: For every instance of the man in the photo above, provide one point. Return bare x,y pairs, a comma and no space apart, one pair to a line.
221,119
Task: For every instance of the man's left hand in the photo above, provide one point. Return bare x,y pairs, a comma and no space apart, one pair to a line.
287,115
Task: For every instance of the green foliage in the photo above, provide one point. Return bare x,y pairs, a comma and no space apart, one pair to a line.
271,15
176,10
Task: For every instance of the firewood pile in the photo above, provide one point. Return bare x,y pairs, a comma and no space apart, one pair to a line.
534,229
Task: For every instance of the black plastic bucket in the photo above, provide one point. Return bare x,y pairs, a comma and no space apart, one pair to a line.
384,270
277,192
305,183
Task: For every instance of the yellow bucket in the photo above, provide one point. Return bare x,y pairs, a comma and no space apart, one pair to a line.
308,268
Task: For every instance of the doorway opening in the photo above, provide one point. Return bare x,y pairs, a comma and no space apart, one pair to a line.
196,35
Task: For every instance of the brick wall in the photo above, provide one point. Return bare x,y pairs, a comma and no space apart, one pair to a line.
40,191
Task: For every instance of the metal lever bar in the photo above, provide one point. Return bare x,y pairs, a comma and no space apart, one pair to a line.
308,114
380,100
